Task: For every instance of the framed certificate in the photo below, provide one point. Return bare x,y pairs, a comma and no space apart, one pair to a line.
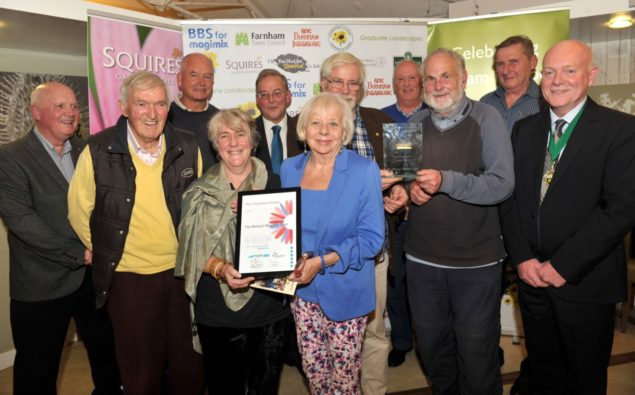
268,232
402,148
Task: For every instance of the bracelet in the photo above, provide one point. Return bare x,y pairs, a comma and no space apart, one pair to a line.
323,264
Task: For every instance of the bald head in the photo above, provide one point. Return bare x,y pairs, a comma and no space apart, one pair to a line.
196,81
55,112
567,74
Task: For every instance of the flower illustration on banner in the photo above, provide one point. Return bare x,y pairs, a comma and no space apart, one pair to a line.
116,50
340,37
250,108
282,222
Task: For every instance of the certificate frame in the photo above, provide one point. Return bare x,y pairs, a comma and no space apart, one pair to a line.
268,232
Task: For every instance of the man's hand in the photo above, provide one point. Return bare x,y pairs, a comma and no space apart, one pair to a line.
88,257
529,270
388,179
549,275
429,180
418,195
396,199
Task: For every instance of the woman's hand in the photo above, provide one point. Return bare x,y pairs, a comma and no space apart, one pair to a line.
307,270
233,278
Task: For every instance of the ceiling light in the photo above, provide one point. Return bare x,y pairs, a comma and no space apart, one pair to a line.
620,21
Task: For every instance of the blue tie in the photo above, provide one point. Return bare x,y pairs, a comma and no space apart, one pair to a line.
276,149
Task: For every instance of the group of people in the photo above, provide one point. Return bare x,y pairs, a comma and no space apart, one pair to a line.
133,234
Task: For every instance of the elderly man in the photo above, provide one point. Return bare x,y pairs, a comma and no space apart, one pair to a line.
50,277
191,110
125,203
573,203
517,95
344,74
407,85
278,138
454,247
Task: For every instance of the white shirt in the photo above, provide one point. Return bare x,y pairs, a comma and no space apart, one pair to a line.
283,134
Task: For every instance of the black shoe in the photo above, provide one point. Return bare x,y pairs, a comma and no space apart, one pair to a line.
396,358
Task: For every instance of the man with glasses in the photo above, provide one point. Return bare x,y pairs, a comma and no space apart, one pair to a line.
278,138
191,110
344,74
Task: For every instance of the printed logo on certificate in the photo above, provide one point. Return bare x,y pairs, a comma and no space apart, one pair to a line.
268,232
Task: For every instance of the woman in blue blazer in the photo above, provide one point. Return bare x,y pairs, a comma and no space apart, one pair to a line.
343,224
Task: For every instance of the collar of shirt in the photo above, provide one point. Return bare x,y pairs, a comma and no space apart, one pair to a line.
532,91
408,114
147,157
50,148
444,123
283,133
568,116
177,101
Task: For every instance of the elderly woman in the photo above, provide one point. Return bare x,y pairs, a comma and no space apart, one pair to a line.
242,331
343,224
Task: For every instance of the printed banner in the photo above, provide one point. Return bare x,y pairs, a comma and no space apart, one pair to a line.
241,49
476,39
116,49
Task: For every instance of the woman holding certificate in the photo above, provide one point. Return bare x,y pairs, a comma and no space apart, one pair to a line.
242,331
343,225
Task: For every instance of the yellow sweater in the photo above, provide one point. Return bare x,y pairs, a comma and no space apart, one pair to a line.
151,243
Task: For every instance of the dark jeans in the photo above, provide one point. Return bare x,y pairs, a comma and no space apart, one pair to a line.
151,320
456,315
568,343
239,358
39,331
397,299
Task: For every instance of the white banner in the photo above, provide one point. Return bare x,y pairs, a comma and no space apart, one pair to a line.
241,49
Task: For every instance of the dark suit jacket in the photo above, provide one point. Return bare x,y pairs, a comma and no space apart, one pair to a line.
46,257
588,208
294,147
373,120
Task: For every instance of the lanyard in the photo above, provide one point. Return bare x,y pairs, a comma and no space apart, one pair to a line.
556,148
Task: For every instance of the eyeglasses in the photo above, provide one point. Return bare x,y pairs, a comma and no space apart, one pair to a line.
339,84
277,94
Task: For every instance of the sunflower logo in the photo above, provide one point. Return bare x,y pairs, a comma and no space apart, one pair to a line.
281,222
250,108
340,37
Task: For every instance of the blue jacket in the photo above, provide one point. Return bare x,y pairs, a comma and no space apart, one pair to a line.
353,226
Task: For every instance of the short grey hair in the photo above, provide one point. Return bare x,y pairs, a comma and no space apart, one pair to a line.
342,59
458,59
325,100
140,80
233,119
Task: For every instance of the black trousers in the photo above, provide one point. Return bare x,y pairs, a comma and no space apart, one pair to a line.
397,295
456,316
240,358
39,331
568,343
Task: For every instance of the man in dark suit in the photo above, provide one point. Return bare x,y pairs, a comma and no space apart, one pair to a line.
50,272
278,138
564,225
191,110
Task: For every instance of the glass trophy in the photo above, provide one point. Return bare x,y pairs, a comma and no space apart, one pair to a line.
402,148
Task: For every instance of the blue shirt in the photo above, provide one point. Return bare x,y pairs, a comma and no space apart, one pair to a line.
526,105
313,199
394,112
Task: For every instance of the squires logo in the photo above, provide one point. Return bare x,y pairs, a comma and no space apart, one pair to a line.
291,63
340,38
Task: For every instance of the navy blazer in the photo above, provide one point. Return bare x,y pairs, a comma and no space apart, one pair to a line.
587,209
46,256
352,225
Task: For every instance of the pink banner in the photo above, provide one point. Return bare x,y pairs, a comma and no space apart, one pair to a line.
117,49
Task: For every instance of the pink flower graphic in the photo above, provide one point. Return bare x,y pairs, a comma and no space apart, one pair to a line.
116,50
279,222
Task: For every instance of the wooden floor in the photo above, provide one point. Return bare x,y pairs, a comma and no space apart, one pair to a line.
405,379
